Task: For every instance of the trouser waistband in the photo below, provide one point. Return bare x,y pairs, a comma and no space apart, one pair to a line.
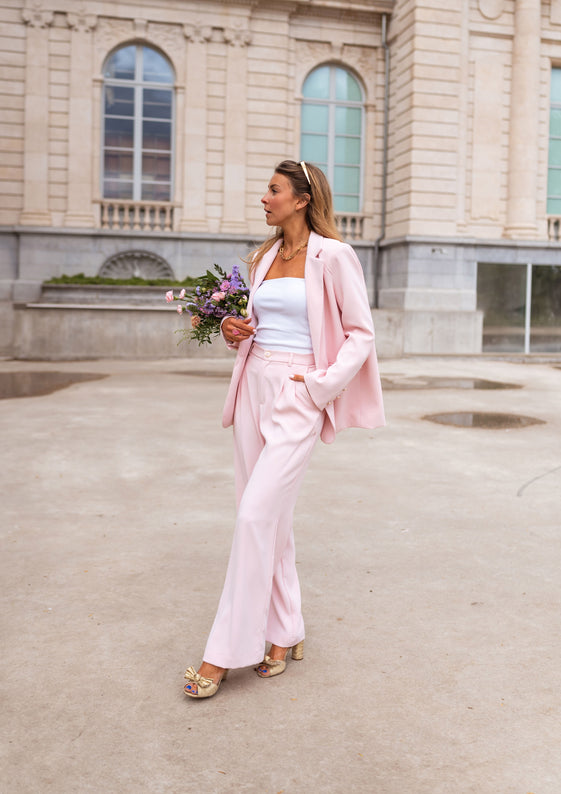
283,356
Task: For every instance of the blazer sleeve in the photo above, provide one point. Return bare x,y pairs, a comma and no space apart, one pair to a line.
325,385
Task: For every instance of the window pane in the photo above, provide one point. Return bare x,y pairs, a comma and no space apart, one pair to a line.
346,87
156,167
119,100
347,150
156,103
118,165
155,68
556,86
554,182
554,152
152,191
117,189
315,118
555,122
119,132
316,84
314,148
346,203
348,120
545,332
501,295
554,206
156,135
121,65
346,179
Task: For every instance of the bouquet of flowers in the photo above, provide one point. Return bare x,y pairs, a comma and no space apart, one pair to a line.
213,297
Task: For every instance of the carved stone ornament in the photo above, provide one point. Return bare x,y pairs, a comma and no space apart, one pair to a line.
36,17
237,37
139,264
491,9
110,32
81,21
197,33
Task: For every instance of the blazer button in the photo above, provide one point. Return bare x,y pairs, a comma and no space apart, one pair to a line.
330,402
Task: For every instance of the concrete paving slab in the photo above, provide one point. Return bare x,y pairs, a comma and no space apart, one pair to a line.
430,561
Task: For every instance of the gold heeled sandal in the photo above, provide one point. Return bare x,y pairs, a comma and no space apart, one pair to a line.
270,667
198,686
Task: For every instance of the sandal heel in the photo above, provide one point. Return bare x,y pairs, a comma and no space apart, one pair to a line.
298,651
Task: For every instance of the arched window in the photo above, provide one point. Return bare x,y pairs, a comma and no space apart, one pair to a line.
332,132
137,125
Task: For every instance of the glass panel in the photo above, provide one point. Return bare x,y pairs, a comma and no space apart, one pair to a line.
119,100
154,191
315,118
346,87
117,189
555,152
156,167
554,206
347,150
346,203
501,295
119,132
348,120
555,122
313,148
155,68
346,179
316,84
156,103
554,182
156,135
121,65
556,86
118,165
545,333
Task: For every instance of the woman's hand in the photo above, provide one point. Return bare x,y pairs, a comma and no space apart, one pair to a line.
234,329
299,378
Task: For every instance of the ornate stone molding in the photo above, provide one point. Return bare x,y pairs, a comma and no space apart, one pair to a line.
197,33
141,27
81,21
34,16
237,37
491,9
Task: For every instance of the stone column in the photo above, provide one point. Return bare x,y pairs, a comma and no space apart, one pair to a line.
36,139
524,112
235,131
193,213
79,211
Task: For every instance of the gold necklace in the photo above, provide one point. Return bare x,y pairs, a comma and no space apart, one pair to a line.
293,254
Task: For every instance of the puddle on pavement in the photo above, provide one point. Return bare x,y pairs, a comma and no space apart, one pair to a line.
37,384
487,421
399,382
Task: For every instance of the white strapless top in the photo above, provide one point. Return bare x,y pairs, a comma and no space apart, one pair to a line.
281,315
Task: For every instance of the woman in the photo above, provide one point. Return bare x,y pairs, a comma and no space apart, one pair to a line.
306,368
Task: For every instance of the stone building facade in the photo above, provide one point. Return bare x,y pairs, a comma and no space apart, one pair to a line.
139,137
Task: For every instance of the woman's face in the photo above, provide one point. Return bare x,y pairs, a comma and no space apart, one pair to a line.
279,202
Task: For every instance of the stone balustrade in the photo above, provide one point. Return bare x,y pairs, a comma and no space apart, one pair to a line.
554,228
350,225
147,216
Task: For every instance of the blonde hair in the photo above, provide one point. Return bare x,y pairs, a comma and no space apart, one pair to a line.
319,210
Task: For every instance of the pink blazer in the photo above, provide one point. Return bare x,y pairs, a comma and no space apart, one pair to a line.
346,381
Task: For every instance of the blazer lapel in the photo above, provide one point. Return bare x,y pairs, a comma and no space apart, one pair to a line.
314,291
261,272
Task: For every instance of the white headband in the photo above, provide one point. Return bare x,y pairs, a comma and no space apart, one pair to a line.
305,170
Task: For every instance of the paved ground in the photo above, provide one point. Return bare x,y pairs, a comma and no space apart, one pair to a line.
430,562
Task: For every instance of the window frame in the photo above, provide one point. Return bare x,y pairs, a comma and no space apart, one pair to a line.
138,85
332,104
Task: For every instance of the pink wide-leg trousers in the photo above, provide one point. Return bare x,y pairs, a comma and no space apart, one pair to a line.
276,425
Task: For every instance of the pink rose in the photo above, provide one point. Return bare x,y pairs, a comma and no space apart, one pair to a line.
195,320
218,296
225,286
169,296
182,294
179,309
